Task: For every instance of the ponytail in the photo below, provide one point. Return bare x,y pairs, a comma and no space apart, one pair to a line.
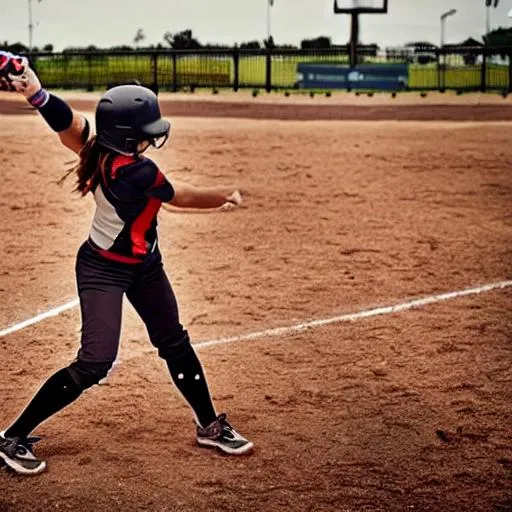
88,170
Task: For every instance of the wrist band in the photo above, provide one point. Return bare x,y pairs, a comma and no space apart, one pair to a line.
56,113
40,98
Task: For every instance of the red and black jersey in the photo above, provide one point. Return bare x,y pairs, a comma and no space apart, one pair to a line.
128,198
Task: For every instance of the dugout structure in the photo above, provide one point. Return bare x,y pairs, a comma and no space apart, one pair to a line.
355,8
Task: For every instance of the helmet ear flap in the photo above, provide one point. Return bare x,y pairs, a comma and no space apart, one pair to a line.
131,145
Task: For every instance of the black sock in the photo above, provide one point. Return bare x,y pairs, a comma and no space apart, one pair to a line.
57,392
187,374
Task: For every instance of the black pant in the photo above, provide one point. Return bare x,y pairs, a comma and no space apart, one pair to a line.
101,286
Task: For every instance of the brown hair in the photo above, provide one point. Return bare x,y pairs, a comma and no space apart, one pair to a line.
88,170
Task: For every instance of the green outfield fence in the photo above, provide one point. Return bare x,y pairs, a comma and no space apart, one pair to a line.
454,68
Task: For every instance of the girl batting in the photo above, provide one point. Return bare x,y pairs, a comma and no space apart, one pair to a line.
120,257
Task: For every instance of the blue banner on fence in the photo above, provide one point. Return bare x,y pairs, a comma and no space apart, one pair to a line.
366,76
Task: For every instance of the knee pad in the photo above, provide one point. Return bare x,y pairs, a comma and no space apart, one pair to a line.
175,346
86,374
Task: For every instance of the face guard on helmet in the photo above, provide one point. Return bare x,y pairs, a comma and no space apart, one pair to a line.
128,116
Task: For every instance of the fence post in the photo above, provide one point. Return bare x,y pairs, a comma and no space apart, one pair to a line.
174,72
33,62
483,79
154,61
268,81
236,65
90,86
440,66
510,72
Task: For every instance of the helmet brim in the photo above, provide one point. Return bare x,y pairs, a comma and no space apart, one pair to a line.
157,128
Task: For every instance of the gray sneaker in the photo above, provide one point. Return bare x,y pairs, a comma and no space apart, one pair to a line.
220,434
17,454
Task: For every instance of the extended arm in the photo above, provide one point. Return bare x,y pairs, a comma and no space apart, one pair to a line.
16,75
143,174
189,196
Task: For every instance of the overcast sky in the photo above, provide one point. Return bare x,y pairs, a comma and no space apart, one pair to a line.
114,22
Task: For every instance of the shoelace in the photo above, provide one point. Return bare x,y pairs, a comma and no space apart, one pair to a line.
219,426
223,421
226,428
29,442
26,443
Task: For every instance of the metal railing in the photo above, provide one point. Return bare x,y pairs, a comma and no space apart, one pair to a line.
456,68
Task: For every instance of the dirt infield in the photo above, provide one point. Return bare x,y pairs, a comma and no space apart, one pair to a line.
405,411
341,107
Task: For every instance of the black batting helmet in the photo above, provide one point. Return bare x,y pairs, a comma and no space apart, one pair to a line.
127,115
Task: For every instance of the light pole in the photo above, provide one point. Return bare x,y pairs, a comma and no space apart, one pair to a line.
442,65
445,15
270,4
30,25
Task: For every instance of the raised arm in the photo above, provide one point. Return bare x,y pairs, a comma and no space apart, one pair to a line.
16,75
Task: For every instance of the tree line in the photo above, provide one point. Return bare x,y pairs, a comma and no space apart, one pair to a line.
185,40
182,40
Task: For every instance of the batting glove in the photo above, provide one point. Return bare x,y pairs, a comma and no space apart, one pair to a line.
5,66
16,75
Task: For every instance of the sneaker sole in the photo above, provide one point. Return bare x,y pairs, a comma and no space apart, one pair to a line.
210,443
18,468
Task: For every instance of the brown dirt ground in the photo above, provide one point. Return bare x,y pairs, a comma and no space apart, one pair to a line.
339,107
409,411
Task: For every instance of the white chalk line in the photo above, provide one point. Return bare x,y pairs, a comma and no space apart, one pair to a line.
350,317
290,329
39,318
